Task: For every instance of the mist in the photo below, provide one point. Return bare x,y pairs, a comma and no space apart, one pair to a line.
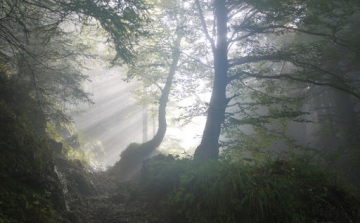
183,112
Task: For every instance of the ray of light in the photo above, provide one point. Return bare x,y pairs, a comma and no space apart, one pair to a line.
116,121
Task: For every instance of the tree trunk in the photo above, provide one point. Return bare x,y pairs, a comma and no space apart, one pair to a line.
132,157
155,142
144,119
209,146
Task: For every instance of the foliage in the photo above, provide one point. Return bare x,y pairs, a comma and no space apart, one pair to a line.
261,114
41,56
25,160
74,146
22,204
42,44
278,191
24,151
122,20
265,47
31,188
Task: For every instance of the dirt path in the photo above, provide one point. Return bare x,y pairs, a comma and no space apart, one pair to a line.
114,202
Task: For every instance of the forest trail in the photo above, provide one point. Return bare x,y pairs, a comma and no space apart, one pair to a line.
119,203
99,197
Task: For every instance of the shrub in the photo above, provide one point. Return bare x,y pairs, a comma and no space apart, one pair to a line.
25,170
220,191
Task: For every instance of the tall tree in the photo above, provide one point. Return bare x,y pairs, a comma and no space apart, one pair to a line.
209,146
240,47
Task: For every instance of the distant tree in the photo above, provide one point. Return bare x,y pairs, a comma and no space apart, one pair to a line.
157,65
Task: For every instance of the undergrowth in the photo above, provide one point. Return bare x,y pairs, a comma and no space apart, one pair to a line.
220,191
23,204
25,161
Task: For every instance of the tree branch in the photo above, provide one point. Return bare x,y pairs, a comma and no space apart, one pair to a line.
332,37
287,76
252,59
203,23
197,60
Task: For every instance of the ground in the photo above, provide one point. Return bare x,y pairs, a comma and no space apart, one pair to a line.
99,197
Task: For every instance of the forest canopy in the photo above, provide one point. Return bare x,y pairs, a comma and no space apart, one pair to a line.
260,60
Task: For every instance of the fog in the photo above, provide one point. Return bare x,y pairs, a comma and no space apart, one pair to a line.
116,119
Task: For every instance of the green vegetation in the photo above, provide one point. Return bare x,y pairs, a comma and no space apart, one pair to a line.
222,191
20,203
23,150
73,145
25,169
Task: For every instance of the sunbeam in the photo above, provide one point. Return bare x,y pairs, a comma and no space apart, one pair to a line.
116,120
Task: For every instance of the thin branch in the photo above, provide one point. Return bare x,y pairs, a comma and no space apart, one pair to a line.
287,76
232,97
197,60
203,23
252,13
332,37
232,40
154,82
312,66
252,59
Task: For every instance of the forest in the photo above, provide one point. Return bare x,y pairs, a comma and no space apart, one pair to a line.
180,111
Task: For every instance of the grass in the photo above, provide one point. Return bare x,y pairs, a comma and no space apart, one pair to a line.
277,191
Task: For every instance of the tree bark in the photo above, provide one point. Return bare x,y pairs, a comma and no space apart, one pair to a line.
209,146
